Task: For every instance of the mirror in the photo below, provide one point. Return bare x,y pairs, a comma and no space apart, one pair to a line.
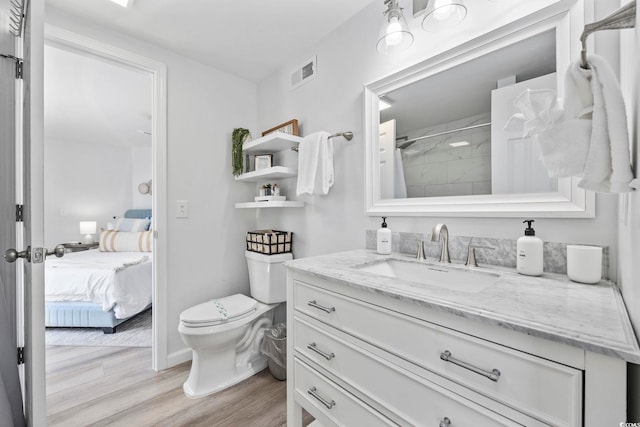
436,138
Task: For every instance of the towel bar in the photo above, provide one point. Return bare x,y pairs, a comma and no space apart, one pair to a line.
346,135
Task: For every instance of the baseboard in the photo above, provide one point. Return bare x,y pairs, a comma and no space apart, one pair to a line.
179,357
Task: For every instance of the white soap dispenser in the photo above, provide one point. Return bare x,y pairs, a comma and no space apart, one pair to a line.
384,238
529,258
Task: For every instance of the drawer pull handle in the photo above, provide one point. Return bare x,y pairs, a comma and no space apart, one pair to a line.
315,348
314,304
447,357
313,392
446,422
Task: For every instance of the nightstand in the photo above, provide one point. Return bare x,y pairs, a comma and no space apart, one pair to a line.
78,247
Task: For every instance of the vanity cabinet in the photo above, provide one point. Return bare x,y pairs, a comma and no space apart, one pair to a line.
270,144
360,358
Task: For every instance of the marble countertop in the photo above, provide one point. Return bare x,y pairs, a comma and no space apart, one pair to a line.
592,317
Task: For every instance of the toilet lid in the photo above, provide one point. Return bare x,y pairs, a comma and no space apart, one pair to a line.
220,310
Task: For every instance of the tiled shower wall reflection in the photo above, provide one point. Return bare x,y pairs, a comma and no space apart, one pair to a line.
432,167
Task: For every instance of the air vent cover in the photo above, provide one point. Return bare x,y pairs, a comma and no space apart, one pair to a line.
304,73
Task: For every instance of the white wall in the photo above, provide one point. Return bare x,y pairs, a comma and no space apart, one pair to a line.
629,230
142,172
84,182
206,250
333,101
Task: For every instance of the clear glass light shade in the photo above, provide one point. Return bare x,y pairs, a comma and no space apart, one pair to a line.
394,34
443,14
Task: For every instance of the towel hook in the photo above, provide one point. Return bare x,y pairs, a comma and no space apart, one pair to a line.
625,17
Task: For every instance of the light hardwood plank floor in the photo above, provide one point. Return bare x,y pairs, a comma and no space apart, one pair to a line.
115,386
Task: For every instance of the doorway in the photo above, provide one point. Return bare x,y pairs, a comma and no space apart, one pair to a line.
149,128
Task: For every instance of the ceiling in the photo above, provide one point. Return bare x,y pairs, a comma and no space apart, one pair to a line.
91,100
247,38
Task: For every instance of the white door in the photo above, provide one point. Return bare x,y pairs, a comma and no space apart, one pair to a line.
10,387
387,142
32,197
515,161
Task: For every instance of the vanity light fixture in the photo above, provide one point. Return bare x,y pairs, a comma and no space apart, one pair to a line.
395,35
442,14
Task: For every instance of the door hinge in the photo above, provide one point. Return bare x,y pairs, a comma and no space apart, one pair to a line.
20,355
19,213
19,69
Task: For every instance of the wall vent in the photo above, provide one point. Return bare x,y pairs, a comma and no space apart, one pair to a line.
307,71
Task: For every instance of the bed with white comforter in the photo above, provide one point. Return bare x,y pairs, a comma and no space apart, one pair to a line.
117,282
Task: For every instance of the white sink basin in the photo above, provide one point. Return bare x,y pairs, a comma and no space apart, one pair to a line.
433,275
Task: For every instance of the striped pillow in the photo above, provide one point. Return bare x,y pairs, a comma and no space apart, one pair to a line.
124,241
131,224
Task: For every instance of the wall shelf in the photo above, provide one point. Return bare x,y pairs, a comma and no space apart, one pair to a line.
271,143
275,172
270,204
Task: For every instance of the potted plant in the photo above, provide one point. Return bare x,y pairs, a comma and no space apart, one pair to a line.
238,138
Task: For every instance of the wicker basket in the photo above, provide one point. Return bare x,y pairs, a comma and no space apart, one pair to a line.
269,242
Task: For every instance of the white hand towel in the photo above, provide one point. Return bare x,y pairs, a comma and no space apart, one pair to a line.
607,168
315,160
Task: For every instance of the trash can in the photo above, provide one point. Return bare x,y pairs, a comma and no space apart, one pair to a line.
274,346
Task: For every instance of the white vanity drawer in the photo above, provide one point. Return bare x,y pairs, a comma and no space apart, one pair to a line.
522,377
420,402
329,403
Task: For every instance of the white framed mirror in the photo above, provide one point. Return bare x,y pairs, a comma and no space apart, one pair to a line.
436,143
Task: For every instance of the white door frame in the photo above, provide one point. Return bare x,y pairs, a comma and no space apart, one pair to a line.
67,39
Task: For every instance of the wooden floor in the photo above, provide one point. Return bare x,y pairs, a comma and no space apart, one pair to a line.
102,386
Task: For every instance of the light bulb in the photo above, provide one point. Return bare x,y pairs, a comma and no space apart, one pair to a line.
442,9
394,32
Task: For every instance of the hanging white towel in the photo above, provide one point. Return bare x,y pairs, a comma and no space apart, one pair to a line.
400,185
590,138
315,164
607,168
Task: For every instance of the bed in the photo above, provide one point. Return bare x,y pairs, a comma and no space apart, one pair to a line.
100,289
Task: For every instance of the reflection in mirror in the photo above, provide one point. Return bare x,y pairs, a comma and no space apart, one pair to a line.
445,135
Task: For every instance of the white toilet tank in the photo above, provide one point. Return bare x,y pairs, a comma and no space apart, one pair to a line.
267,276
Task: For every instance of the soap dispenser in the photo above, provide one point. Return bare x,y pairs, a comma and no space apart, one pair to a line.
529,258
384,238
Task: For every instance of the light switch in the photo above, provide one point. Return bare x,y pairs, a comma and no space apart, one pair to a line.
182,209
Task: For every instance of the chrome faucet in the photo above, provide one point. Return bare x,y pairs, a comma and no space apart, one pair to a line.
441,233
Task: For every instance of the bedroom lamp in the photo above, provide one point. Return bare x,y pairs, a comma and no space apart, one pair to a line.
88,228
395,35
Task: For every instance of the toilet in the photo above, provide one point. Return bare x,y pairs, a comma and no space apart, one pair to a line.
225,334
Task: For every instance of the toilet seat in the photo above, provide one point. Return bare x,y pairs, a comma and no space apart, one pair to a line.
219,311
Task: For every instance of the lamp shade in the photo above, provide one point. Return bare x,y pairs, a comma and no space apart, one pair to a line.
394,35
443,14
87,227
